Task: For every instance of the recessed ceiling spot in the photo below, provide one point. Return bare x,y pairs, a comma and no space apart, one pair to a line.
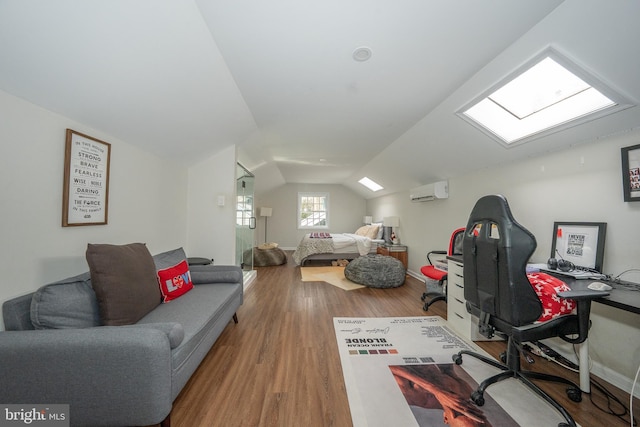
362,54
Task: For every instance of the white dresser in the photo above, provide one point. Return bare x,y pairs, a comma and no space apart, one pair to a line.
457,315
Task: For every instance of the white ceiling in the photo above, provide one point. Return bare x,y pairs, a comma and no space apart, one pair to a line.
185,79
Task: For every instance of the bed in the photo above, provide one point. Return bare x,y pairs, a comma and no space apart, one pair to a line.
331,246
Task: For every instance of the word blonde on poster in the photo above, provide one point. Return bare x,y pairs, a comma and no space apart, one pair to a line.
86,180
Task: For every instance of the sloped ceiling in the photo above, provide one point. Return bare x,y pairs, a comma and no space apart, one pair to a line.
184,79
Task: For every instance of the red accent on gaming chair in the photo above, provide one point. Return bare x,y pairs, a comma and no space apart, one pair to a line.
433,273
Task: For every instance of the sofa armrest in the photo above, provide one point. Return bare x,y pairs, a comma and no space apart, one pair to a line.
108,375
201,274
173,330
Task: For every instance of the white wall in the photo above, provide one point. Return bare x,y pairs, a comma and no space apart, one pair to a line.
147,200
346,210
211,228
580,184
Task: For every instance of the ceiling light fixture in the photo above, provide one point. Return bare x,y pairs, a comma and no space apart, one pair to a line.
370,184
362,54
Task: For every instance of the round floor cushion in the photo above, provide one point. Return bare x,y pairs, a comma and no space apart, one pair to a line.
376,271
267,257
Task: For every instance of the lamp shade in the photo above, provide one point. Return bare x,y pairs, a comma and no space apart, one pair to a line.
367,220
391,221
265,211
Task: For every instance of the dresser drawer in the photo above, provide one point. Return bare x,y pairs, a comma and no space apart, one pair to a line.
457,315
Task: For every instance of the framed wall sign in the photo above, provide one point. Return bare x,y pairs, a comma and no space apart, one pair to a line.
631,173
85,196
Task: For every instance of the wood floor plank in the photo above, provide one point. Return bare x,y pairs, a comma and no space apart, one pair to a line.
279,366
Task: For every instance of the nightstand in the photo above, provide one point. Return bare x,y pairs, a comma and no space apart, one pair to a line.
399,252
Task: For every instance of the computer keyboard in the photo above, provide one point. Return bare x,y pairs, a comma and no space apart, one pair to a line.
577,273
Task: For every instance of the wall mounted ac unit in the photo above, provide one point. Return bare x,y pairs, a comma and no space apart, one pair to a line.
425,193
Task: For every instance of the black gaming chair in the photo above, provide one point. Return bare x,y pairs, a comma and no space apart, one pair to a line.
495,253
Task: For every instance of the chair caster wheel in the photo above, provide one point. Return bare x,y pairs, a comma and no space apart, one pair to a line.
423,297
477,398
575,394
503,357
457,358
425,307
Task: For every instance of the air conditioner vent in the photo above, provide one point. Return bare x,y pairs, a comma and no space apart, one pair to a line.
426,193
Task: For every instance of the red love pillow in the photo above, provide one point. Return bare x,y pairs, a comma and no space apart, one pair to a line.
174,281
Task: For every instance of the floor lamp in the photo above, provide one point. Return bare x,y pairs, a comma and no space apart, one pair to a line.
266,213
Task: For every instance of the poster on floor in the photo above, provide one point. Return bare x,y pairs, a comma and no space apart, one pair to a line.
400,371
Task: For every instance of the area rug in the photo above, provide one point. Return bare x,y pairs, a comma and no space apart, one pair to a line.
399,372
331,275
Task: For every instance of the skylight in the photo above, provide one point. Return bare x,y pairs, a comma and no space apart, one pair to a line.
371,185
546,97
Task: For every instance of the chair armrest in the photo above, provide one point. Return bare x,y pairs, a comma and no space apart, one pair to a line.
108,375
583,298
586,294
434,253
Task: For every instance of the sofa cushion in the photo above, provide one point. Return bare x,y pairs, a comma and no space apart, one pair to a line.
174,281
68,303
199,312
124,280
169,258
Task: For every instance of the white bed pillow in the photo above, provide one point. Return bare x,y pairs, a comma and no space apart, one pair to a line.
370,231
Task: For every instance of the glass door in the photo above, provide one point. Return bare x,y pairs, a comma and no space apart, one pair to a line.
245,218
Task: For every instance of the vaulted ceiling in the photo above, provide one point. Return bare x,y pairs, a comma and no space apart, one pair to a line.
186,78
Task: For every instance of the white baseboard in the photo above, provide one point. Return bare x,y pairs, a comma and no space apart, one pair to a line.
418,276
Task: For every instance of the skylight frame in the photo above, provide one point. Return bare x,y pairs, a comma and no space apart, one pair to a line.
620,102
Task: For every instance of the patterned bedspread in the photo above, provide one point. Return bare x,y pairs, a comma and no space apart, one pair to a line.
338,243
309,246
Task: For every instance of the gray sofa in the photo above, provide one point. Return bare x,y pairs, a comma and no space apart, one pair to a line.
56,351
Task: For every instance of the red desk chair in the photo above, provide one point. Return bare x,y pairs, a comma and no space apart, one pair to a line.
437,274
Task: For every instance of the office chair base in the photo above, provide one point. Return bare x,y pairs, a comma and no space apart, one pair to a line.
438,297
573,392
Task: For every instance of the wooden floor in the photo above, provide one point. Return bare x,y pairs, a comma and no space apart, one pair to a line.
279,366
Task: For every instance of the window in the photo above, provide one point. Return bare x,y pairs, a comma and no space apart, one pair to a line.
244,210
313,210
549,94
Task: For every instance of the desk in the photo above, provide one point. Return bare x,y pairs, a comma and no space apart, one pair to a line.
623,295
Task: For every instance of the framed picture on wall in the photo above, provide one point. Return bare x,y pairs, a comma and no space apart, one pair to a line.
85,196
631,173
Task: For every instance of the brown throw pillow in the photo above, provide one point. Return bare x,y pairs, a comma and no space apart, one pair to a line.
124,280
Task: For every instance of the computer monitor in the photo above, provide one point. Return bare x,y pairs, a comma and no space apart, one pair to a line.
581,243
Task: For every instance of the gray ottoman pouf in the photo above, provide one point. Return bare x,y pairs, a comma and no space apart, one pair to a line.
266,257
376,271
